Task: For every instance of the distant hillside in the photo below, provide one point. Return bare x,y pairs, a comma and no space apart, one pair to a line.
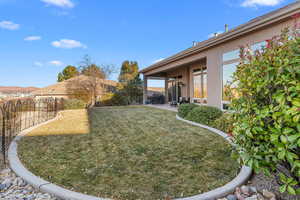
16,89
156,89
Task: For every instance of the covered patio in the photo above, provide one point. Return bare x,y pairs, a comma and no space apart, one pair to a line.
183,83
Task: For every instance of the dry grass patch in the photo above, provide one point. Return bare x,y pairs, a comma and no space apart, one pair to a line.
69,122
132,153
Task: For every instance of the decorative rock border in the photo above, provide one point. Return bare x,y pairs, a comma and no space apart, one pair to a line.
15,188
65,194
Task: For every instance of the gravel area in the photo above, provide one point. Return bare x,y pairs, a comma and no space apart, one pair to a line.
262,182
260,187
15,188
1,162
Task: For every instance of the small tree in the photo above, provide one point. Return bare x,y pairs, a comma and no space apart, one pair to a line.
91,81
129,71
133,90
130,83
68,72
93,70
267,110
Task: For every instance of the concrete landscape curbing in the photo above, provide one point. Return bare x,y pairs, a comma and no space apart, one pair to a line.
214,130
65,194
242,177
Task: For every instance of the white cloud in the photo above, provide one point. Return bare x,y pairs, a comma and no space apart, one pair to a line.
56,63
53,62
60,3
253,3
9,25
32,38
38,64
213,34
68,44
158,60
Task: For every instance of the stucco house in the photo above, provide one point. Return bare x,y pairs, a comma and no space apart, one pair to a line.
12,92
199,73
67,89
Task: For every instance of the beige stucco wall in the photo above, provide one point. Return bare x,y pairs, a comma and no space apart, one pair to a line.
213,57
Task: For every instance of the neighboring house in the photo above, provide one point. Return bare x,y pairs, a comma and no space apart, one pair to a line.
11,92
71,88
200,73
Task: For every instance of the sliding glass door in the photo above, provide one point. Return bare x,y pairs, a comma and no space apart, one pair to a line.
174,89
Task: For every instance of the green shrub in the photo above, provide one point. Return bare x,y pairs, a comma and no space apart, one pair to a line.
113,99
71,104
224,123
120,100
106,99
204,115
184,109
267,117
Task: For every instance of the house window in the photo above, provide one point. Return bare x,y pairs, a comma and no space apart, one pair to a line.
232,55
200,85
228,71
174,88
230,63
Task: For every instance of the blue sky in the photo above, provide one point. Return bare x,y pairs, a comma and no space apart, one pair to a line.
39,37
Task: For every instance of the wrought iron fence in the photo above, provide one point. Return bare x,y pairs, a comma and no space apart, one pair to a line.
20,114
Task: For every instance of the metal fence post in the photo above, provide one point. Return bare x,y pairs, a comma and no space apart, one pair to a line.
3,133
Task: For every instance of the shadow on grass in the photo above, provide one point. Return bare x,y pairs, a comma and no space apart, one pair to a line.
69,122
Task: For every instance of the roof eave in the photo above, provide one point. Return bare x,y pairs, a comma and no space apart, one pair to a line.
246,28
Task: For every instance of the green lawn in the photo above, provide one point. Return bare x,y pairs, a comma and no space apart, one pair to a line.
132,152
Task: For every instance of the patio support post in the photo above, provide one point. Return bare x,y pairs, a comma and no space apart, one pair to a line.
166,90
145,89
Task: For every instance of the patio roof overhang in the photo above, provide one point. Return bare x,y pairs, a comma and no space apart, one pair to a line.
187,56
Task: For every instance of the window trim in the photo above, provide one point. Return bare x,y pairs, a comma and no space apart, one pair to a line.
231,62
231,51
